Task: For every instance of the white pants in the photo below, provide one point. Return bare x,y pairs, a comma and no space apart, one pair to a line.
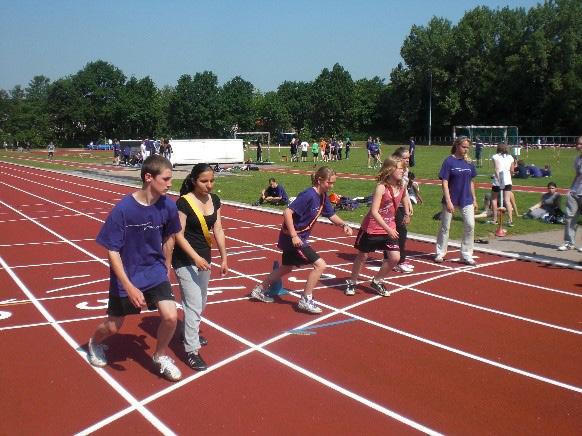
194,286
573,211
468,213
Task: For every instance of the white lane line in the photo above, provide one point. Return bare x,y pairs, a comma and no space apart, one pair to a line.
251,258
37,265
431,342
52,232
412,288
259,348
71,277
159,425
78,285
26,244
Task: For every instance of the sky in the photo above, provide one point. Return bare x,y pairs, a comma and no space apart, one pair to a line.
264,42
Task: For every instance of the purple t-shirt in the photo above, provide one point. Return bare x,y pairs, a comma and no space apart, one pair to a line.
459,174
137,232
305,208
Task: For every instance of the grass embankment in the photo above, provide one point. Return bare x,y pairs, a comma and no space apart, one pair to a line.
245,186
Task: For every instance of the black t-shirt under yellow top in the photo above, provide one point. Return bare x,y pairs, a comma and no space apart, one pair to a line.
193,233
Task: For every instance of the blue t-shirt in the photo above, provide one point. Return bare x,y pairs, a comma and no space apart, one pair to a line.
459,173
137,232
305,208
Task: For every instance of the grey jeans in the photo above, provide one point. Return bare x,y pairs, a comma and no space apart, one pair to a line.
468,213
573,210
194,286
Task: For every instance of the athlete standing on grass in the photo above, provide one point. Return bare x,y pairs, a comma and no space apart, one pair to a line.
139,235
378,229
191,259
299,218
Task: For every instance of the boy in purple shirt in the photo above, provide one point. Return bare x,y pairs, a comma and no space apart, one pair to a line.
273,194
299,218
457,173
139,236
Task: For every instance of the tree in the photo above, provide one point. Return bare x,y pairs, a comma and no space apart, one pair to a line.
331,98
236,104
194,106
271,113
99,88
138,106
296,100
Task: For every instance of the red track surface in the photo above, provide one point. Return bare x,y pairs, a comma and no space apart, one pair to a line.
473,350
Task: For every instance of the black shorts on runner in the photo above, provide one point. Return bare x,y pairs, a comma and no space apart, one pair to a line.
367,243
497,188
316,154
121,306
300,256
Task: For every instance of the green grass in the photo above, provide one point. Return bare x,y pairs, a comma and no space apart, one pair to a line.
245,186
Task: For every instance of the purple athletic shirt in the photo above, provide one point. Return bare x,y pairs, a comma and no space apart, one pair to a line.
459,174
137,233
305,208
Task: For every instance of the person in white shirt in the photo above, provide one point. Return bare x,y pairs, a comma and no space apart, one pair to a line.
504,166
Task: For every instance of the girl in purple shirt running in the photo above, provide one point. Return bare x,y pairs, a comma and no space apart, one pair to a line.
298,220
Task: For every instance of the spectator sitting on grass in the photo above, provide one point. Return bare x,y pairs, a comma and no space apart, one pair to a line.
487,207
521,170
534,171
548,206
273,194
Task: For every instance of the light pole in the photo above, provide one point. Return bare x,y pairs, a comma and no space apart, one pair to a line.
429,108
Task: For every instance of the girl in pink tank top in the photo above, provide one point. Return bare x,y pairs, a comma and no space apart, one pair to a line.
378,229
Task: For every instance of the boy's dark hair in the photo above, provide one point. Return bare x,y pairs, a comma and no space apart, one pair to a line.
272,179
154,165
552,185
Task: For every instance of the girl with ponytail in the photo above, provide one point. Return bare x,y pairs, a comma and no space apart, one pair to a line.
198,210
299,218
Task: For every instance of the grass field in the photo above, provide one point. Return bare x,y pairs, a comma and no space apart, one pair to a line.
246,186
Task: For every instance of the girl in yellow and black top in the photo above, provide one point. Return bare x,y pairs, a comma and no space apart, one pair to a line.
199,211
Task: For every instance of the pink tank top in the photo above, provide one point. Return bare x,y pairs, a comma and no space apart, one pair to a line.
387,210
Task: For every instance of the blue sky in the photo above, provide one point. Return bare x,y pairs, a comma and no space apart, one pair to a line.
264,42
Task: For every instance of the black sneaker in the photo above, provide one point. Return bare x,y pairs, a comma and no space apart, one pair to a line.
195,361
203,341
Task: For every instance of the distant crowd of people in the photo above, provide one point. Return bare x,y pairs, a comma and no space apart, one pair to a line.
124,154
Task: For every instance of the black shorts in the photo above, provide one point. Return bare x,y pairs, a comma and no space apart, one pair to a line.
367,243
300,256
121,306
497,188
315,154
303,154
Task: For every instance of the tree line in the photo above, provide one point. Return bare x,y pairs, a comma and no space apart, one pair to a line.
497,67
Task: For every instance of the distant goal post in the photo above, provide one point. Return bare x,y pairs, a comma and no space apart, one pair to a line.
489,135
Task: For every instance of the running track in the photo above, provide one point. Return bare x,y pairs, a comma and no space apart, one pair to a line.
469,350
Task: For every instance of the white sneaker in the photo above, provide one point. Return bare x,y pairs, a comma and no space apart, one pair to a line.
403,268
308,306
259,294
566,246
167,368
350,287
408,266
96,354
